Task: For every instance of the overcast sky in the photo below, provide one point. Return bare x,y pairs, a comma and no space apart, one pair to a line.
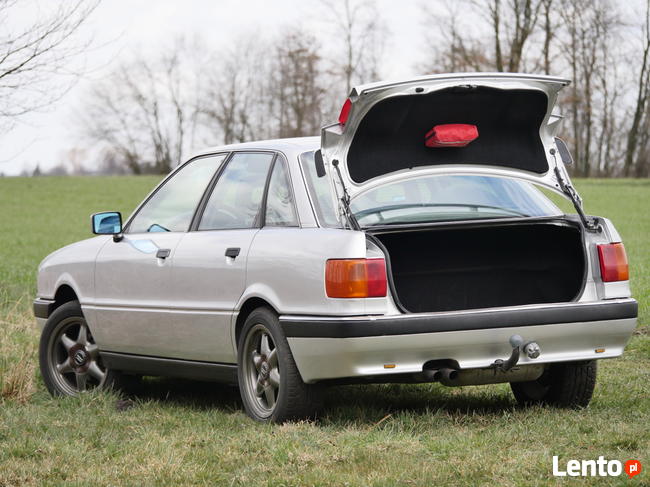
121,27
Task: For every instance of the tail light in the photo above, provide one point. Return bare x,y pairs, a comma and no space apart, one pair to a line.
345,112
613,262
355,278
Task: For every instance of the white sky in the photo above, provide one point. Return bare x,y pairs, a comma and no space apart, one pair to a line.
121,27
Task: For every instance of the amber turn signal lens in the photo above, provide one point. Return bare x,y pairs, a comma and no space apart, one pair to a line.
355,278
613,262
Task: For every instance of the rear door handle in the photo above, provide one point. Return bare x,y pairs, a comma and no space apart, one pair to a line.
163,253
232,252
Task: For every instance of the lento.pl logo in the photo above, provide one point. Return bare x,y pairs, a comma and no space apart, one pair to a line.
595,468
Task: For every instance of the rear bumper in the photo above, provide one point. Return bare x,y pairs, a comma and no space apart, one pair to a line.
348,347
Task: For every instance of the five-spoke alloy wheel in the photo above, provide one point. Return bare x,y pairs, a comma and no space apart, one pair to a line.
69,358
261,370
269,381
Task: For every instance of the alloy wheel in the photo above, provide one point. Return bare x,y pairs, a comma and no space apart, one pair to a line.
261,370
74,360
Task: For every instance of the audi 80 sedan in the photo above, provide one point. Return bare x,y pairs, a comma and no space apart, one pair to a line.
411,242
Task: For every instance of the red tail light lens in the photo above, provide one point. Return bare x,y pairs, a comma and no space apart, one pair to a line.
613,262
345,112
355,278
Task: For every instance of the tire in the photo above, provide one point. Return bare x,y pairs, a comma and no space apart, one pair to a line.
564,385
269,382
69,359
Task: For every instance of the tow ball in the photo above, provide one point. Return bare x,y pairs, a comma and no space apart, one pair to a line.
531,349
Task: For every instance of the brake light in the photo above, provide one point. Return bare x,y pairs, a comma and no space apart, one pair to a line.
355,278
345,112
613,262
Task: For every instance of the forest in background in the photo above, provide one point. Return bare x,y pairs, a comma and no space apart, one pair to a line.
149,112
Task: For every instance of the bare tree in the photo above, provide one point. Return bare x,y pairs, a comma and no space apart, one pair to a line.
234,106
450,48
362,34
33,55
509,26
641,104
146,110
296,90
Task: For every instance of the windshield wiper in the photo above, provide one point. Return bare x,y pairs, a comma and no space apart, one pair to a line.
371,211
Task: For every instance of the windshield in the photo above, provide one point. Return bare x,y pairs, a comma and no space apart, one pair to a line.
449,198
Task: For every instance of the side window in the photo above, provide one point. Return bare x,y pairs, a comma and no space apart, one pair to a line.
236,198
319,191
280,211
171,208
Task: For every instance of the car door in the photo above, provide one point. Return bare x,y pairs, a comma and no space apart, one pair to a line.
209,263
133,296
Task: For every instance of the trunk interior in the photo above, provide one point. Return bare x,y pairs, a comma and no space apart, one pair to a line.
485,266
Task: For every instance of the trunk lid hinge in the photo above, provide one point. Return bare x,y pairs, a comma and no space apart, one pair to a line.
591,224
345,199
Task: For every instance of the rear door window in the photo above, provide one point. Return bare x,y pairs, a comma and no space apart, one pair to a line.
236,199
280,210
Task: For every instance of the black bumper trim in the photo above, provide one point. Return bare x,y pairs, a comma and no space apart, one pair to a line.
503,318
43,307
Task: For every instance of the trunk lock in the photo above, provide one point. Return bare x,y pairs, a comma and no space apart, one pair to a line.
531,349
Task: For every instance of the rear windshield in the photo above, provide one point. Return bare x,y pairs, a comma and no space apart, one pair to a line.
450,198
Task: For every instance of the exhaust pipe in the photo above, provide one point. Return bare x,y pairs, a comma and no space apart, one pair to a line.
448,376
431,375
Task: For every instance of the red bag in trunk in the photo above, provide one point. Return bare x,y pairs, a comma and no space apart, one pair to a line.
451,135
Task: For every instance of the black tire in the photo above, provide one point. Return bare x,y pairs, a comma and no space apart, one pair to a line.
292,398
564,385
61,374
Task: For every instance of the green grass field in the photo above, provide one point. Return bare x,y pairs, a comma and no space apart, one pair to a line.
191,433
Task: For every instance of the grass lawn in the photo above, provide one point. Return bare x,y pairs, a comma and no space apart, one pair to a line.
192,433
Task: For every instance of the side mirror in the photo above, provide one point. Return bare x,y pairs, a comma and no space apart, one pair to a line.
107,223
562,148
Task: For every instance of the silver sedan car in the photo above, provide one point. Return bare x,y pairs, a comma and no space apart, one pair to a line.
413,241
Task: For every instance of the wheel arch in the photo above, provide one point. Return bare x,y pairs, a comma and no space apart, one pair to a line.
64,294
248,306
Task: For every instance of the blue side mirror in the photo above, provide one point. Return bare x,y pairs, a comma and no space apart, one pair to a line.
107,223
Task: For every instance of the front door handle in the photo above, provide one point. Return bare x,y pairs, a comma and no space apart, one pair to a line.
163,253
232,252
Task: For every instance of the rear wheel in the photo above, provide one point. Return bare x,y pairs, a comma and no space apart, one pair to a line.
567,385
270,384
69,358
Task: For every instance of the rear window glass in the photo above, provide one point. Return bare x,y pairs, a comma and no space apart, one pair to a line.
449,198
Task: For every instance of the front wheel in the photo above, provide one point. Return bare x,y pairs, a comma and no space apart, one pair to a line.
69,358
270,384
566,385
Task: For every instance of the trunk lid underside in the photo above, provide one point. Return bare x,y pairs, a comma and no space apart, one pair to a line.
383,138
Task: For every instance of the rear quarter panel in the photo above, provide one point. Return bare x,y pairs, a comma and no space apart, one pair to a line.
286,267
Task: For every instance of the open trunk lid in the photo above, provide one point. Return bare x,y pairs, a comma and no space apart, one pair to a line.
381,134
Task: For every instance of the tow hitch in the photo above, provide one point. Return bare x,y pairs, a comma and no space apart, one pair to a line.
531,349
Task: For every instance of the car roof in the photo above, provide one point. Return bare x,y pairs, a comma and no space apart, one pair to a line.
291,145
